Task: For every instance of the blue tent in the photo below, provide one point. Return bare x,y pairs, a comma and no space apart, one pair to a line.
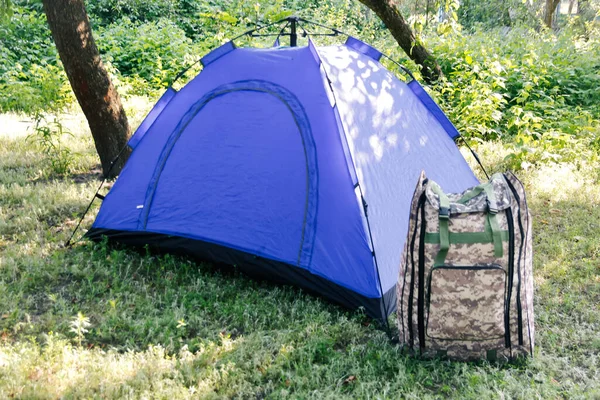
295,164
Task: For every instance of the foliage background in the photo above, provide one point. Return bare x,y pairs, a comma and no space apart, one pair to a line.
507,78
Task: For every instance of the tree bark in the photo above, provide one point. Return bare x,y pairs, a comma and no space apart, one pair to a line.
571,4
550,9
400,30
99,100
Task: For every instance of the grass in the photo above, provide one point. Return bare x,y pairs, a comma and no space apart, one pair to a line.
169,327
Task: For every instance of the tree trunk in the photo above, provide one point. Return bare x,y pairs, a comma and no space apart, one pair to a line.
400,30
571,4
99,100
550,8
427,9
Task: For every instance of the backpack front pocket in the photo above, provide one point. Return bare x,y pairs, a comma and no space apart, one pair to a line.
466,302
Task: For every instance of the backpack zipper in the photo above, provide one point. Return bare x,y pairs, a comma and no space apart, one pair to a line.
519,306
420,205
511,273
421,299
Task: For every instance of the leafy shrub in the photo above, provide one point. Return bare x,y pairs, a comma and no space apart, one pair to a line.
107,12
539,93
49,136
153,51
79,326
37,88
25,39
494,13
31,76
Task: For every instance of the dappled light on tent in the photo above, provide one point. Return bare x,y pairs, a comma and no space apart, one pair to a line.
392,136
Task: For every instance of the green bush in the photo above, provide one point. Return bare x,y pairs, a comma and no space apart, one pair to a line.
537,90
31,76
25,39
37,88
106,12
154,51
494,13
50,138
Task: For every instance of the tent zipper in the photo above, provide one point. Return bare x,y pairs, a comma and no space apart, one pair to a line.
420,205
421,299
519,306
511,273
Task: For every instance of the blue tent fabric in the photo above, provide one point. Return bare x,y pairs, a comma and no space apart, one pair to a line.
217,53
363,48
293,164
435,110
151,117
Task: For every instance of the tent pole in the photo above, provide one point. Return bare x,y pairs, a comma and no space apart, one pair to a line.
293,35
97,194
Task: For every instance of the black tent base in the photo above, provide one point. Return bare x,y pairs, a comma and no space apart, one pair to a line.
255,267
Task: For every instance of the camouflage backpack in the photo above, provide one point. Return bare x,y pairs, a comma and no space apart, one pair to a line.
465,288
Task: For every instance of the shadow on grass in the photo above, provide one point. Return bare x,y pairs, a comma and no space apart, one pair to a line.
92,175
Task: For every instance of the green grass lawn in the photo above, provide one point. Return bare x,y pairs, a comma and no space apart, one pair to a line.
170,327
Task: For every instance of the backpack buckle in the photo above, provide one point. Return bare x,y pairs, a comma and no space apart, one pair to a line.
444,212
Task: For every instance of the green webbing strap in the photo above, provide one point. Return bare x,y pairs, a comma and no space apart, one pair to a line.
496,235
444,202
470,194
492,232
440,258
466,237
491,198
492,211
488,188
444,217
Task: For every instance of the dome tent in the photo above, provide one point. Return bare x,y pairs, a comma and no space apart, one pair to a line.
295,164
